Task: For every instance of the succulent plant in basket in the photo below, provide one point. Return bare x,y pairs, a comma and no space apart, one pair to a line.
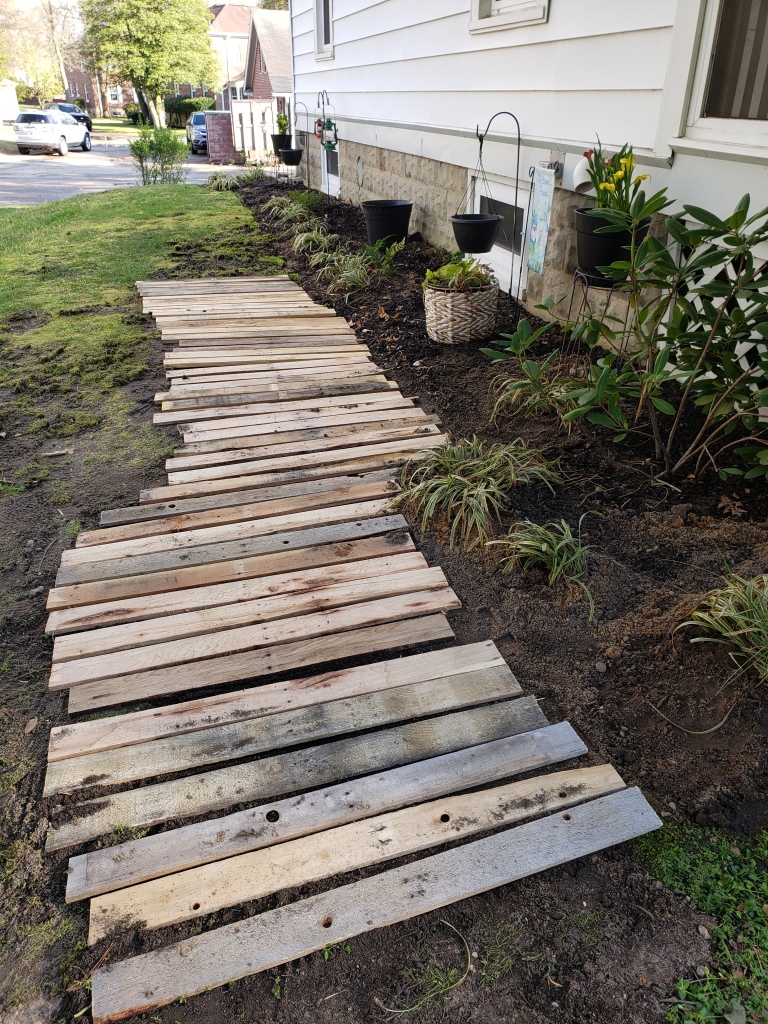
460,302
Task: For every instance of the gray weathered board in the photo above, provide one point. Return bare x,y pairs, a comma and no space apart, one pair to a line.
266,609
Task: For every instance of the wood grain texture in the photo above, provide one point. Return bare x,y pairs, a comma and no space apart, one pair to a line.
206,889
224,551
246,512
163,510
128,636
158,661
281,935
98,734
296,771
256,736
287,404
75,620
215,839
388,635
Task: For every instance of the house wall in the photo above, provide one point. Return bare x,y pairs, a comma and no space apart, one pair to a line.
261,86
221,146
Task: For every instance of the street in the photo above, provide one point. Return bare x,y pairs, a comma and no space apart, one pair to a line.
42,177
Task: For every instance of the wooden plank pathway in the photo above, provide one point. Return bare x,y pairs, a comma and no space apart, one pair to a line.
254,628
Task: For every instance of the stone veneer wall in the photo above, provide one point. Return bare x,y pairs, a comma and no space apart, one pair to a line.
435,188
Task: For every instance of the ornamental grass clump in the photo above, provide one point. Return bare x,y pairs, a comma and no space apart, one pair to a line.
552,547
736,616
470,482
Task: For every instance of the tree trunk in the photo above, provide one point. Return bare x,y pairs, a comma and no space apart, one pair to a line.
141,99
160,108
153,111
98,95
51,19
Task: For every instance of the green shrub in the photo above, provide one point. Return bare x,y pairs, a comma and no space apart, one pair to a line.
159,156
179,108
79,102
471,483
132,111
459,276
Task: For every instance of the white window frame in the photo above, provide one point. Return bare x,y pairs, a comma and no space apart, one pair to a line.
502,261
716,129
492,15
323,50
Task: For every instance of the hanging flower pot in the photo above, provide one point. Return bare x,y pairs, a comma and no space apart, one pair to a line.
475,232
280,142
291,157
600,250
460,302
387,218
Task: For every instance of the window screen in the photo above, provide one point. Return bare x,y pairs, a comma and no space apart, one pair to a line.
507,211
332,162
326,19
738,84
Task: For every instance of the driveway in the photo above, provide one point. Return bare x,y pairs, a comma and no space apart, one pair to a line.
41,178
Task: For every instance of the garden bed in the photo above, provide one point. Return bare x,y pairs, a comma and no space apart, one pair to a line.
655,551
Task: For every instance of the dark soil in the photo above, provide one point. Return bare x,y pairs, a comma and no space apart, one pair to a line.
596,941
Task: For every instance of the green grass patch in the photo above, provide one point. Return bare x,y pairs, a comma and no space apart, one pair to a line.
727,878
71,328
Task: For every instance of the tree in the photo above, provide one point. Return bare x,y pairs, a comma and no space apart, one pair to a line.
152,44
60,21
274,5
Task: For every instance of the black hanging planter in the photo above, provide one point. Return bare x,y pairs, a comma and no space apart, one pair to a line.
600,250
290,157
280,142
387,218
475,232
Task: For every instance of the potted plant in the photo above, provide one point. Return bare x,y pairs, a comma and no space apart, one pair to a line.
475,232
283,138
460,302
599,240
387,218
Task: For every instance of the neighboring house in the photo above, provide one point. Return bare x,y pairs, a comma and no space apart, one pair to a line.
229,39
684,81
267,83
82,85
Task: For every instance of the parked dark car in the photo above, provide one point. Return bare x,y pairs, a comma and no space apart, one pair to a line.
74,111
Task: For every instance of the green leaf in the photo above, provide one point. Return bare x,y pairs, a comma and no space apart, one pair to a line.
602,419
705,217
663,406
618,437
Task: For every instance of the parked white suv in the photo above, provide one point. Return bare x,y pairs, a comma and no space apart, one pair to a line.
53,130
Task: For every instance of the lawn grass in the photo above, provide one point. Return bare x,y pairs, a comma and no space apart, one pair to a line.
72,265
114,126
726,877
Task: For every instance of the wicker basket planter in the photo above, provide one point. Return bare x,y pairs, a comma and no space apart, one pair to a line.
455,317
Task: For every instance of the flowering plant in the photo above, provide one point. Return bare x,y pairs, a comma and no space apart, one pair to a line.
612,177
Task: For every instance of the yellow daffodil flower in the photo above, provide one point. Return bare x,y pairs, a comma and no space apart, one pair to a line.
618,175
641,177
607,186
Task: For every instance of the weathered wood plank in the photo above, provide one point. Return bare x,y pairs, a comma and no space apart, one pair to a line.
346,528
278,936
221,563
278,448
93,616
227,531
393,405
196,357
206,889
281,393
387,635
74,739
333,382
162,510
289,405
323,360
363,424
159,660
286,379
306,460
272,733
296,771
185,625
215,839
238,513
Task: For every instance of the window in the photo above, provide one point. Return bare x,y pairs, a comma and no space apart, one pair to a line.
323,29
490,15
729,98
115,94
331,179
738,83
510,225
